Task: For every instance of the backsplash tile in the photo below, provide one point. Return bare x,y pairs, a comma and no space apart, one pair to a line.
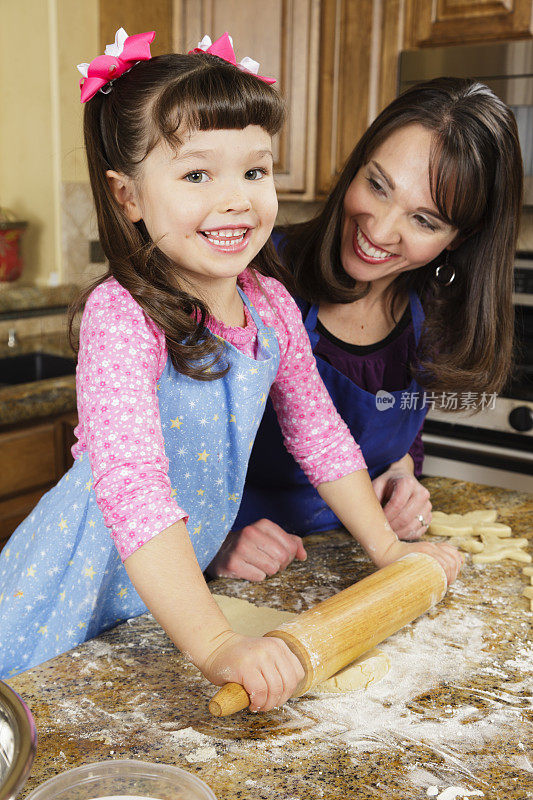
78,228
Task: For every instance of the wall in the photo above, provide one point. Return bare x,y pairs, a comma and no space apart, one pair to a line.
26,132
41,149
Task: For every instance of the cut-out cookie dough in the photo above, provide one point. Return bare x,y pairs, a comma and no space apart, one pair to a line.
477,532
496,550
460,524
252,620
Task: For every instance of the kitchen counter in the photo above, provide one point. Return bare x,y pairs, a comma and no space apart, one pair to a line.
454,709
25,402
15,298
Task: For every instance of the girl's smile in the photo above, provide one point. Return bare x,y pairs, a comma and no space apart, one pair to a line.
228,240
391,223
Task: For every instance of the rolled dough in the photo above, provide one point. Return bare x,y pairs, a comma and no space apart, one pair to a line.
252,620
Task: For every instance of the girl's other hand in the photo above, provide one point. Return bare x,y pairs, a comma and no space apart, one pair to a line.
265,666
405,502
258,550
450,559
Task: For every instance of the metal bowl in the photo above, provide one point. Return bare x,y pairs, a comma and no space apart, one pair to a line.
18,742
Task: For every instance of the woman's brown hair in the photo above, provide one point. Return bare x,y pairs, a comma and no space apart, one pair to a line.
164,98
476,183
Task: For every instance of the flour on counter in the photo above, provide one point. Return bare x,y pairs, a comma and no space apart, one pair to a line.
201,754
393,715
454,793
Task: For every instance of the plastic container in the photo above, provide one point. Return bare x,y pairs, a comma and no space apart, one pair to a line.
126,779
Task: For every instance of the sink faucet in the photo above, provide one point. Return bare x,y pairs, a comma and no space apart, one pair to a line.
12,337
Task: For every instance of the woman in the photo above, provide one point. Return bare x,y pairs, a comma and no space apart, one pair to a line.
404,281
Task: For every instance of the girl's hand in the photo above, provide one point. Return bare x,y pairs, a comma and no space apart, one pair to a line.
265,666
450,559
405,502
258,550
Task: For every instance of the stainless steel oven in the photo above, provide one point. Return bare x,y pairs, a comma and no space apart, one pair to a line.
495,445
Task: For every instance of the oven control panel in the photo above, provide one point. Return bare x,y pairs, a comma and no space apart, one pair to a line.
507,415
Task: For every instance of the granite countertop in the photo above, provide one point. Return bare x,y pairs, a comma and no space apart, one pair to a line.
17,298
454,709
25,402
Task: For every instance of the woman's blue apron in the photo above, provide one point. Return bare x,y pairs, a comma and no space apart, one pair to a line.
384,428
61,578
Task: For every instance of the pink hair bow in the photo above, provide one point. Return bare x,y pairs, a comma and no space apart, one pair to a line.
223,48
119,58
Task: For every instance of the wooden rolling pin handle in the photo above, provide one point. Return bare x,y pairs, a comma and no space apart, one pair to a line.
228,700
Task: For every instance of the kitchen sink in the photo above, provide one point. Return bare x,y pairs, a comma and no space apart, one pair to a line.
29,367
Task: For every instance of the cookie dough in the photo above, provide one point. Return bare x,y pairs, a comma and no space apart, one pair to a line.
496,550
478,532
252,620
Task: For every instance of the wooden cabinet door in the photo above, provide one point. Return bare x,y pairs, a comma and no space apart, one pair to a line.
358,75
28,458
137,17
32,459
282,35
465,21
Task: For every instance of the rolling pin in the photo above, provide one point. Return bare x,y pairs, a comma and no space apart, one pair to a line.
334,633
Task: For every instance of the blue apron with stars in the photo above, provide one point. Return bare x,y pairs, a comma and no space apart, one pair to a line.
276,487
61,578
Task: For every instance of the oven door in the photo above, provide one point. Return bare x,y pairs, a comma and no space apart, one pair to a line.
451,456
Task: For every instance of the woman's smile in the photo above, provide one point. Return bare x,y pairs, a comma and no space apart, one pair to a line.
367,250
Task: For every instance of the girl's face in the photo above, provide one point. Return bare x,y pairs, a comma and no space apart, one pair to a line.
211,206
391,223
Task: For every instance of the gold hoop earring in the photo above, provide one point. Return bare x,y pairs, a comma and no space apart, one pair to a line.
446,266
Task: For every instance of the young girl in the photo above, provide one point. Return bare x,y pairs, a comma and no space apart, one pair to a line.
180,346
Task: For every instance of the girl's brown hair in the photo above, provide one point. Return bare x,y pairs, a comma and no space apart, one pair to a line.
163,98
476,183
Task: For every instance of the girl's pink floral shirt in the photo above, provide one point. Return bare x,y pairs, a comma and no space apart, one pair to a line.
121,358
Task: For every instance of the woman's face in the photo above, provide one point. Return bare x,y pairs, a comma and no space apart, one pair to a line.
391,223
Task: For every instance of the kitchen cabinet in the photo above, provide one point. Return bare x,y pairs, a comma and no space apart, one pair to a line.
37,455
359,47
137,17
336,61
332,59
466,21
282,35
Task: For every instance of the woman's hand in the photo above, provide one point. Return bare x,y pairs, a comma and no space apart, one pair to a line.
405,501
265,666
450,559
258,550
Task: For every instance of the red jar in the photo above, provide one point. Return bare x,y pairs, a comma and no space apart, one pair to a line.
10,260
